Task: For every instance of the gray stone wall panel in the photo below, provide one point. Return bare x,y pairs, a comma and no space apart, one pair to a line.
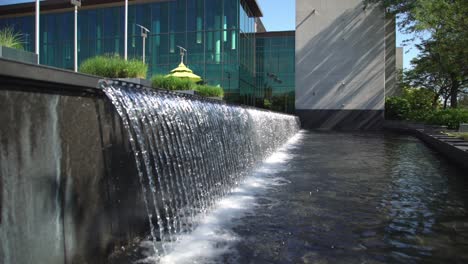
340,55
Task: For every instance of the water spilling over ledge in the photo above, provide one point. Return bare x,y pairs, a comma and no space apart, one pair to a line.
190,153
78,181
70,191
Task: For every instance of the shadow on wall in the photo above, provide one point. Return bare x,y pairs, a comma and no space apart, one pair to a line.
341,119
342,68
391,85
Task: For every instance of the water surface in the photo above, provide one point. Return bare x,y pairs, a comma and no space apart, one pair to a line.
360,198
343,198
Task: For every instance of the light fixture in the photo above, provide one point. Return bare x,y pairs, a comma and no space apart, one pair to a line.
144,35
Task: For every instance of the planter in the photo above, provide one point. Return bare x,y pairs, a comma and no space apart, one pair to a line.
216,98
139,81
191,92
18,55
463,128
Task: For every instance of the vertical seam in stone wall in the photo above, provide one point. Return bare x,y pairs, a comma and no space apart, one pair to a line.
106,168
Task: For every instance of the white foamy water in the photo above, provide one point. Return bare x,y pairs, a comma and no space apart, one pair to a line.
214,236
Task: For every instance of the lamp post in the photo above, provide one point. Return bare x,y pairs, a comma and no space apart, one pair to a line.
183,52
37,29
144,35
76,3
126,30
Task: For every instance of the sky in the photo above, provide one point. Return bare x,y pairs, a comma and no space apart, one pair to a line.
280,15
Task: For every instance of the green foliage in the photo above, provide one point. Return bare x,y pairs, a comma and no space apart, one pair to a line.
461,135
421,104
172,83
114,67
463,102
267,104
397,108
11,39
441,26
209,91
449,117
137,69
420,115
419,99
415,105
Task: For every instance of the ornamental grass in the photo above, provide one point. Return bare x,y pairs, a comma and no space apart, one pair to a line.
113,66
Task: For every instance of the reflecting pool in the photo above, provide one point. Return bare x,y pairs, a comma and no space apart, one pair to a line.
339,198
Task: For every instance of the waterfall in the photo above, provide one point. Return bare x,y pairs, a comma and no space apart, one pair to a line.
190,152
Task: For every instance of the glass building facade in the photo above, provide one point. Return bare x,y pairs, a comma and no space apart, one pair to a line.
219,35
275,70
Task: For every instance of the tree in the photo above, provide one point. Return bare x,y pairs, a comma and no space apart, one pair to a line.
443,63
447,22
436,71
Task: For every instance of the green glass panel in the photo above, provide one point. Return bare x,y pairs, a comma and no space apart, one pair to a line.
177,16
213,14
195,15
275,57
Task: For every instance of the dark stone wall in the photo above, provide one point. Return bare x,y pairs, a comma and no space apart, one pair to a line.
341,119
69,192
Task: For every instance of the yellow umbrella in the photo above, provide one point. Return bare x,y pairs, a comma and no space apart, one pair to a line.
183,71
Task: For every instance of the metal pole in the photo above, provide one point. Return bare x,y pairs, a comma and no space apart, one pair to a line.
144,40
126,30
37,29
144,34
76,39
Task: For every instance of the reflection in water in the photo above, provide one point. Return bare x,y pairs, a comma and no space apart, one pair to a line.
425,207
357,198
339,198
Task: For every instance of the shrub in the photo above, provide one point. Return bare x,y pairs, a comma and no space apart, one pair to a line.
461,135
397,108
267,104
449,117
209,91
114,67
172,83
419,99
137,69
11,39
420,115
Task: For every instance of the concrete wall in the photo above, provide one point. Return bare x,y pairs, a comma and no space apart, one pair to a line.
399,58
68,190
340,64
391,87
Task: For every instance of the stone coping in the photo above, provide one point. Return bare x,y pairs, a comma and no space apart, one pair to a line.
41,73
